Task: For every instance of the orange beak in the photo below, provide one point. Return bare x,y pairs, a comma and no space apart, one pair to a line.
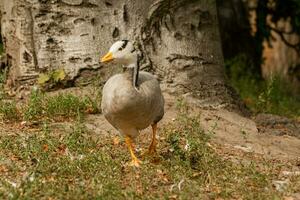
108,57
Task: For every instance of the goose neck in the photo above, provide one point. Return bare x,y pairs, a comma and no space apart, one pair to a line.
133,74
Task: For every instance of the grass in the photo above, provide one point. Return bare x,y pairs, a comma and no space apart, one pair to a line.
40,107
273,96
58,106
52,163
9,110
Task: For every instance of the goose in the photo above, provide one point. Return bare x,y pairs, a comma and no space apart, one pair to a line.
132,100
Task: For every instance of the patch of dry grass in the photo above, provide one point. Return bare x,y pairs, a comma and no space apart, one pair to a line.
60,164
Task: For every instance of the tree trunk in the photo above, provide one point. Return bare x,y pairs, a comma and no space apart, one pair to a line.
236,30
179,41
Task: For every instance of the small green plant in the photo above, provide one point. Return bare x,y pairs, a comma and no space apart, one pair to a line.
69,105
174,141
52,78
35,107
2,76
181,106
58,106
269,96
9,111
2,82
278,98
65,105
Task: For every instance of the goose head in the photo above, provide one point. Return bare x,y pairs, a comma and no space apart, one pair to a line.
122,52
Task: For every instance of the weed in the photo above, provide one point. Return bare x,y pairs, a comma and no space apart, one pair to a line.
95,100
34,109
65,105
41,107
269,96
182,106
9,111
60,106
51,78
277,98
3,74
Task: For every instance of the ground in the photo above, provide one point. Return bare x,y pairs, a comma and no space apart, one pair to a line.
202,154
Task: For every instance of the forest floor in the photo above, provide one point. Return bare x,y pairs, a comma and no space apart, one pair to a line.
201,154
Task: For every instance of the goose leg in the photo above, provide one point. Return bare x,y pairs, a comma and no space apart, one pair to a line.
135,161
152,147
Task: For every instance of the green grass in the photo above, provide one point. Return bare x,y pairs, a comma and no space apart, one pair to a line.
273,96
9,110
58,106
75,164
40,107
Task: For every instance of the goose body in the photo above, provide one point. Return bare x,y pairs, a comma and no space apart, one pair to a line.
133,100
129,109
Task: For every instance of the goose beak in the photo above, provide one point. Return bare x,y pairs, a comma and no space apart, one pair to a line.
108,57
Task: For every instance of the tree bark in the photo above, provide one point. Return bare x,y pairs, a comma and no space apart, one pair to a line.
178,40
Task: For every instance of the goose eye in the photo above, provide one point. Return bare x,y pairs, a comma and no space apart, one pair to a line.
120,49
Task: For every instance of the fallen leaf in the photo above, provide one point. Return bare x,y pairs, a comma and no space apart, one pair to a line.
173,196
3,169
116,141
45,147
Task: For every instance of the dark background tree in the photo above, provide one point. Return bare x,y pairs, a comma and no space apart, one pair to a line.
260,40
247,25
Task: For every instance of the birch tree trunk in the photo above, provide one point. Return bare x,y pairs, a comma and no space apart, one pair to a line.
179,40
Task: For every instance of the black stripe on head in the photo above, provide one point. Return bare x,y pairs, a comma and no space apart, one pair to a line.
125,42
